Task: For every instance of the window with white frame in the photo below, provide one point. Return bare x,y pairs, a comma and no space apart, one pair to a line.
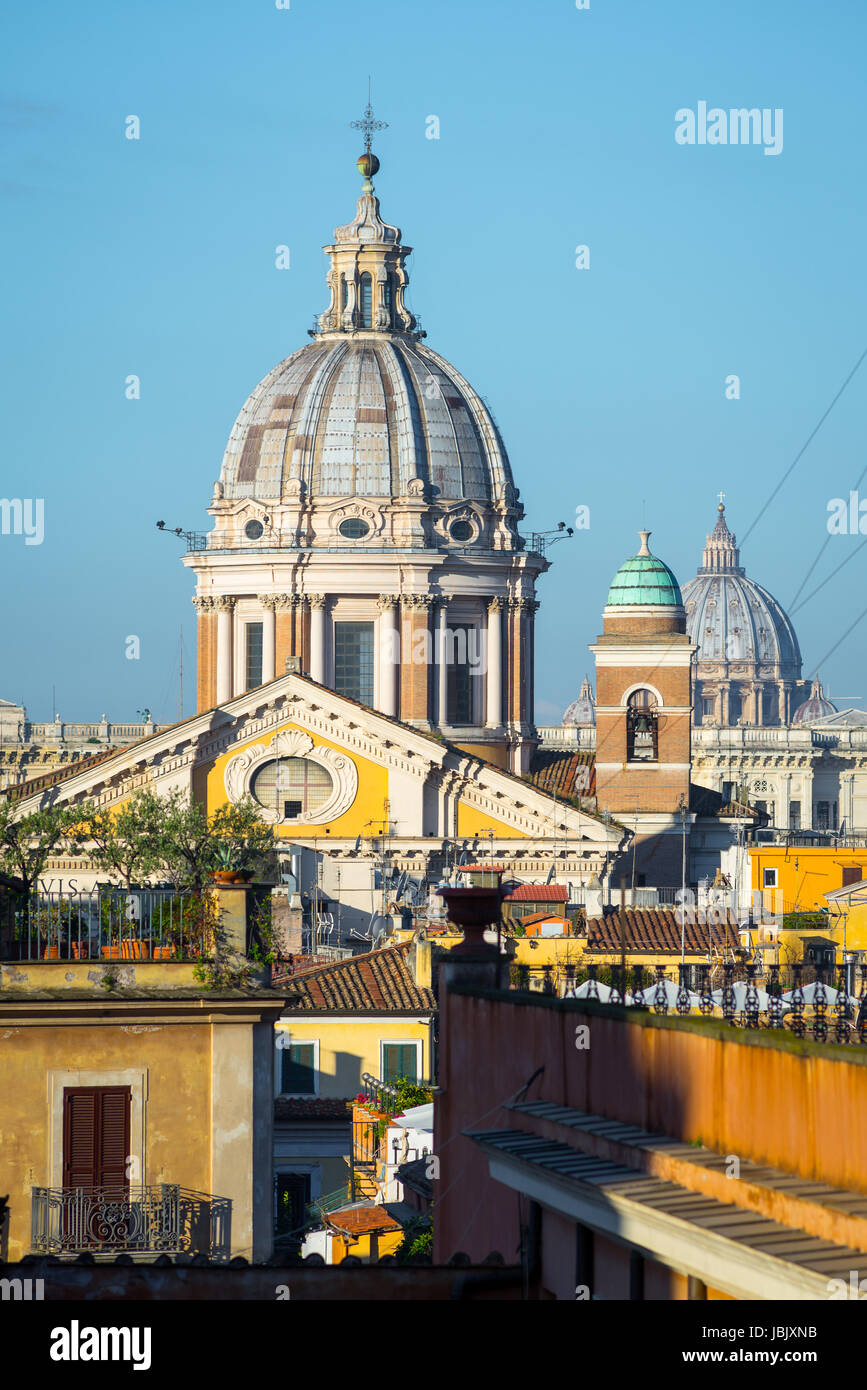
400,1059
769,878
298,1065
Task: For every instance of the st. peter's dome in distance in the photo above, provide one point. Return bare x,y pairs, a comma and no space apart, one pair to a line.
748,665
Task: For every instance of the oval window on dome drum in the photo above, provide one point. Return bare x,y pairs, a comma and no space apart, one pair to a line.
353,528
461,531
293,787
253,530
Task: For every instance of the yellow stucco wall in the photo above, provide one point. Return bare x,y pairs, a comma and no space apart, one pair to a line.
177,1061
472,821
368,804
804,874
349,1047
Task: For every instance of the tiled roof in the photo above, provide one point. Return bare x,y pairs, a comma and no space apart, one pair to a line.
537,893
58,774
361,1221
658,929
564,771
378,982
311,1108
542,917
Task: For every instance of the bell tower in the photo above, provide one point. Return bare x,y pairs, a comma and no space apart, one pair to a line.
643,711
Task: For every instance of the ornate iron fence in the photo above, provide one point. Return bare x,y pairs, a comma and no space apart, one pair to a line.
166,1219
813,1007
108,923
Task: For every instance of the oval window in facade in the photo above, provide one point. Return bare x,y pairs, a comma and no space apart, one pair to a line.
253,530
353,528
461,531
293,787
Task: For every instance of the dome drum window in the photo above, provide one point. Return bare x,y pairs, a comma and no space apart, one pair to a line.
354,529
461,531
254,530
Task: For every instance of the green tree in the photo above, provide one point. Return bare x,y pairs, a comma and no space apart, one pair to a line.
239,829
191,844
127,840
27,842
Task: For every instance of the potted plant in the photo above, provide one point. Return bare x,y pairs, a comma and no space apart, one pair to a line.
49,923
109,922
226,856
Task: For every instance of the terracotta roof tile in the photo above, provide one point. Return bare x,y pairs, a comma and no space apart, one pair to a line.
537,893
360,1221
378,982
658,929
565,771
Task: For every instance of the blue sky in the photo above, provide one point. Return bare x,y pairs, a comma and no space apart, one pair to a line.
156,257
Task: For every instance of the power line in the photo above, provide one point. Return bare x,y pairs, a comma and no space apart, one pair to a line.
804,447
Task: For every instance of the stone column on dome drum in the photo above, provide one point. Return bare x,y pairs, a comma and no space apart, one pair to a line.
442,709
317,637
225,655
269,636
495,664
415,660
389,654
206,666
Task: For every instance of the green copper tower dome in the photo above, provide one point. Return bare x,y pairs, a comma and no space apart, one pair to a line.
644,579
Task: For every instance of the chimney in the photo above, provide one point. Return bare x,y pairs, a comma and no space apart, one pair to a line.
420,959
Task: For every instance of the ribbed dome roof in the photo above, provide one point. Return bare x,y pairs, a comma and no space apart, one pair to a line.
365,416
365,409
816,707
732,618
644,579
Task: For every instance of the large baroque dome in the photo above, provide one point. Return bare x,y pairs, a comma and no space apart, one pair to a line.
365,416
748,666
366,522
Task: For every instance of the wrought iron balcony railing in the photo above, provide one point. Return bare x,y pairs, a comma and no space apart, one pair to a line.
106,924
162,1220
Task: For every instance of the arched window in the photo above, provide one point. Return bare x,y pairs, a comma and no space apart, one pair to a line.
366,301
344,293
641,727
387,290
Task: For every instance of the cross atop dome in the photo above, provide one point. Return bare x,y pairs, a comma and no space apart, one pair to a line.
368,164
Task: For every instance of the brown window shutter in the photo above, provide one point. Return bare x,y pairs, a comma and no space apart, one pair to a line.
114,1140
852,873
96,1137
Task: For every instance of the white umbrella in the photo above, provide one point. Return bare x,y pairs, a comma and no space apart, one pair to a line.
583,991
809,993
740,993
671,992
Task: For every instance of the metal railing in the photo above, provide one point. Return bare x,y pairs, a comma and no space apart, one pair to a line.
108,924
811,1007
162,1220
